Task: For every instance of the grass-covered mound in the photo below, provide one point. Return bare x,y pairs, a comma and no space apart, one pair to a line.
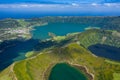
98,36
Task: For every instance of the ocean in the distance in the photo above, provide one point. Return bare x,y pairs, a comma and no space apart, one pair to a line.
26,15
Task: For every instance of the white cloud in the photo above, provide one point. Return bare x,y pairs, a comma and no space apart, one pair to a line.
74,4
94,4
27,5
24,5
112,4
106,5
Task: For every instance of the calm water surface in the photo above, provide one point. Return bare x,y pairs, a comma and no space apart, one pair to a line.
64,71
105,51
11,51
41,32
15,50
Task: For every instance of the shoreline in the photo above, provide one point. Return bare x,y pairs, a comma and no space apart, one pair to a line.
85,70
21,32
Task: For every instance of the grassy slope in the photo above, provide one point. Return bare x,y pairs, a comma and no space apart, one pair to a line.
35,67
112,62
116,76
95,36
7,74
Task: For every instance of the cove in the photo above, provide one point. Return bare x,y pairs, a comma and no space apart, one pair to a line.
15,50
63,71
61,29
105,51
11,51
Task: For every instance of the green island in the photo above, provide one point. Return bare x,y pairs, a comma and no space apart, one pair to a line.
73,51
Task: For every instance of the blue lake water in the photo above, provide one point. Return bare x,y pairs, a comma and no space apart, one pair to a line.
15,50
64,71
105,51
41,32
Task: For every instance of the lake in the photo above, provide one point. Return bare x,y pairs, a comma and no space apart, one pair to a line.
61,29
105,51
11,51
15,50
64,71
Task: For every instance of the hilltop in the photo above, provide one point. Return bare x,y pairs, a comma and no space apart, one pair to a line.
74,52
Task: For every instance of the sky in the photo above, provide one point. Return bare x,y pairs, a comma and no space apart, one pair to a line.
59,1
10,8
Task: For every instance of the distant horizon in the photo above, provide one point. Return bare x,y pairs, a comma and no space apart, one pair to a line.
38,8
50,16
